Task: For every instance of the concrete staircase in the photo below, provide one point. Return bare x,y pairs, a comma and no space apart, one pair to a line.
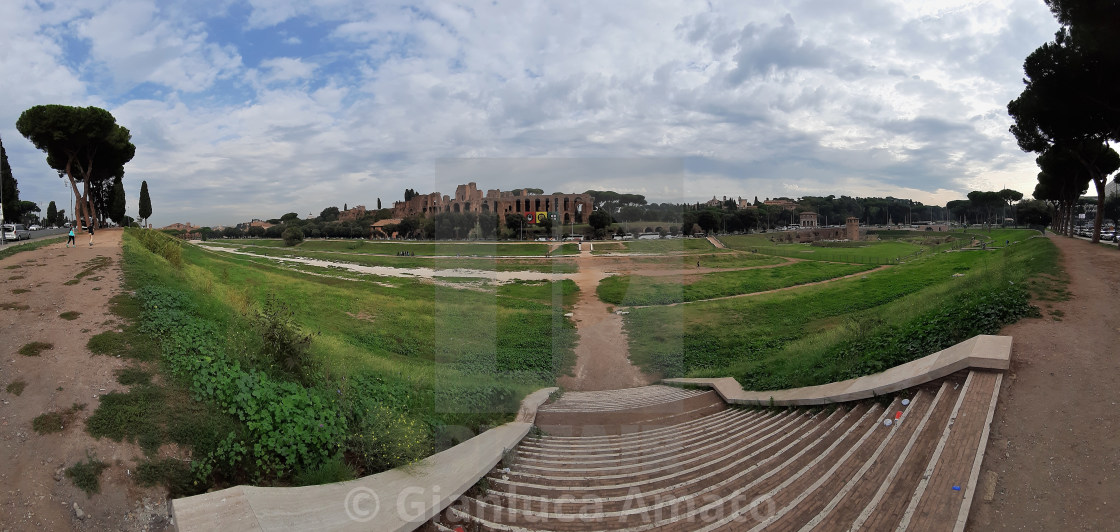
662,458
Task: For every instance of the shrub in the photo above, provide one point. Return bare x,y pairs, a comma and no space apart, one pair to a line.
33,349
292,236
56,421
284,346
86,475
16,387
334,470
384,439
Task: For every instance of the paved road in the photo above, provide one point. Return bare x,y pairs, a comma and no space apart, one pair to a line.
42,233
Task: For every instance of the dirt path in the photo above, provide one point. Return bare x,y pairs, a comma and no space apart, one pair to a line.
34,495
1054,444
602,354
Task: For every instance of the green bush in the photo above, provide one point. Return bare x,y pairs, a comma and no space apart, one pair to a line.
86,475
292,236
284,346
334,470
384,439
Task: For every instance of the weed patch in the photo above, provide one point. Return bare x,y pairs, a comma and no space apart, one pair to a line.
34,349
16,387
86,475
13,306
171,473
334,470
56,421
18,291
133,375
70,315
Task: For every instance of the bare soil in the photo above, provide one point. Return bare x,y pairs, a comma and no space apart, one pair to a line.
1053,458
602,352
34,492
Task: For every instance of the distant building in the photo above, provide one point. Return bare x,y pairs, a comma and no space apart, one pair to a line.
714,202
1112,188
244,226
781,202
808,220
179,227
563,208
378,228
352,215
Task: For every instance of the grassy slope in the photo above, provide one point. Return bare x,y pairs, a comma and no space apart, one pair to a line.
784,339
426,358
637,290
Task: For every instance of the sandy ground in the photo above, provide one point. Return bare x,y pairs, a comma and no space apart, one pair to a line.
602,354
34,494
1054,451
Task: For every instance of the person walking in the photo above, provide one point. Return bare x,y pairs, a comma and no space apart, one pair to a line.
91,234
70,238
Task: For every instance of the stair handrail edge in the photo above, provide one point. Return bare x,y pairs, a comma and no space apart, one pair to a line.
987,352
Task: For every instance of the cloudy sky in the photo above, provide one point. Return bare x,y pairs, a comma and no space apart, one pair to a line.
253,108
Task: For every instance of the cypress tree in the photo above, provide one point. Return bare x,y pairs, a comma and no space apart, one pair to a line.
145,203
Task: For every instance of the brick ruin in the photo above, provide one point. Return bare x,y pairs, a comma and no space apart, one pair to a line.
564,208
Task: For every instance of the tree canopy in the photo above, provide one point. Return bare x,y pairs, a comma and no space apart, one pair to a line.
84,144
1070,102
117,203
10,190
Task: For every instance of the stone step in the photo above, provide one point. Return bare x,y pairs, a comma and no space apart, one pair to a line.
619,399
788,428
578,441
797,469
629,420
708,446
736,428
949,484
861,489
886,509
641,446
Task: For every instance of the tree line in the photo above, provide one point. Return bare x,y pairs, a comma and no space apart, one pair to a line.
1069,111
86,147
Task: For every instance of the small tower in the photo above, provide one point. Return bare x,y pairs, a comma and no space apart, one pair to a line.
853,228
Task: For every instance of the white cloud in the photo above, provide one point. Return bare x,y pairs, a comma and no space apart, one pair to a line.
286,69
135,43
829,97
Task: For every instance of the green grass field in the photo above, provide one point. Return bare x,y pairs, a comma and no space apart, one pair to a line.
631,290
660,246
804,337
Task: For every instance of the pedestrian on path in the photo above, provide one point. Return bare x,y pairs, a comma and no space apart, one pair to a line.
70,238
91,235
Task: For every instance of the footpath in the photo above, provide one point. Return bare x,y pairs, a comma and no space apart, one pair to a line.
1053,459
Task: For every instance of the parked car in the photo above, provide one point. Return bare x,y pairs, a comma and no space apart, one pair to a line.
22,233
16,232
35,227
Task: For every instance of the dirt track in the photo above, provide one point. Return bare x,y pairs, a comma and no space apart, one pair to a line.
602,354
33,494
1054,444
